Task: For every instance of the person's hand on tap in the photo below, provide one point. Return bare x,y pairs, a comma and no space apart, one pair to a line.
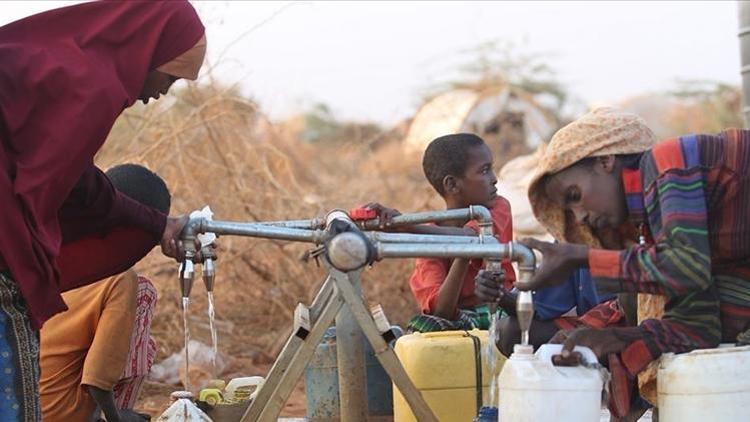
172,246
385,214
488,287
559,262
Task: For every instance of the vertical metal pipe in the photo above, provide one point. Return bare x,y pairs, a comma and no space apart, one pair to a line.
351,361
350,347
743,9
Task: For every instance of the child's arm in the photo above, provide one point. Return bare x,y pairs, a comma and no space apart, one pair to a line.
450,290
436,285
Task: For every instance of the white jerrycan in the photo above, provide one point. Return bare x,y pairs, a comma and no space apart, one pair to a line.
705,385
532,389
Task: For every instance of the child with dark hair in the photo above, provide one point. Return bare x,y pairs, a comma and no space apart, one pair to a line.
95,356
460,168
452,294
141,184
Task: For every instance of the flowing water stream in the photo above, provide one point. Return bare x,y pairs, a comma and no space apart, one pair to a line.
212,327
186,330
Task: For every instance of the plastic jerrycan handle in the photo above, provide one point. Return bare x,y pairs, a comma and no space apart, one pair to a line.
236,383
546,351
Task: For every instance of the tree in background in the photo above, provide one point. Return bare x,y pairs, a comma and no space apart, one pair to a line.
495,64
705,106
691,106
518,99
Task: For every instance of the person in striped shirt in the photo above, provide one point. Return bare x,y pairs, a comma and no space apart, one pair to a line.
681,208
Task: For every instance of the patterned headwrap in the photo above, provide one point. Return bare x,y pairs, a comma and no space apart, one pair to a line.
603,131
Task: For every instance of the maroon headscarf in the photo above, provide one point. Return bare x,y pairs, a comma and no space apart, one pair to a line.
65,76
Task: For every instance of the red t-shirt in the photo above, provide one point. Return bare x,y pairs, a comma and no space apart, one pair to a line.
429,273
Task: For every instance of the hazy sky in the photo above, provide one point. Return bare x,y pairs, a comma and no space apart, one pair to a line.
371,61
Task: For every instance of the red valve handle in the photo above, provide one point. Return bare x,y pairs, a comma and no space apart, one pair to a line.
361,214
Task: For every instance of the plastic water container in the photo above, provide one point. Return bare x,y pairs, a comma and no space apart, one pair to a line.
442,366
705,385
322,381
243,388
532,389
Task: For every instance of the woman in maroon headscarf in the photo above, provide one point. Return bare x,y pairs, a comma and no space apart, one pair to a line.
65,76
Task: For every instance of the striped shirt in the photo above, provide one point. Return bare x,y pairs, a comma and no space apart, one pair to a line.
691,195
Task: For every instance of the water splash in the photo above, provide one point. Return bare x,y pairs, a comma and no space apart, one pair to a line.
212,327
186,330
491,354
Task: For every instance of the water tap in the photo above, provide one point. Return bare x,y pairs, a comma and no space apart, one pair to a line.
209,270
187,270
524,314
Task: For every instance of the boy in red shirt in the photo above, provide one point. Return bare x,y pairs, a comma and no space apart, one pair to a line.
460,168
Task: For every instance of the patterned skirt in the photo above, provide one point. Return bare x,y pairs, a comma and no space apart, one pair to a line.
19,357
478,317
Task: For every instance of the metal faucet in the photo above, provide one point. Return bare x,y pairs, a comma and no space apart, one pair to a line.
187,269
187,273
209,270
524,314
525,300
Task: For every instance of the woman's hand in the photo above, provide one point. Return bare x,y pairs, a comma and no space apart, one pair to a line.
171,244
559,262
170,241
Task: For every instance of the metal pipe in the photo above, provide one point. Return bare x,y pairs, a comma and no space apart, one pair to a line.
312,224
474,212
310,230
486,234
418,238
259,230
444,250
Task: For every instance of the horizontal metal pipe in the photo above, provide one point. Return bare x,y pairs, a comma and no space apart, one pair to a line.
474,212
315,223
253,230
419,238
513,251
438,250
